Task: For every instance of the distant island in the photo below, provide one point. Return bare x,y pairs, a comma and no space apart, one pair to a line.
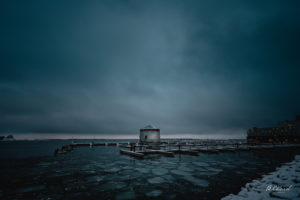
7,138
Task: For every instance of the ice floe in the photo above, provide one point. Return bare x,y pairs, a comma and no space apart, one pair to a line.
180,172
196,181
143,170
201,164
154,193
186,169
156,180
112,170
159,171
211,169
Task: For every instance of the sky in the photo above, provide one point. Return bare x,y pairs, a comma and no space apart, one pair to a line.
109,68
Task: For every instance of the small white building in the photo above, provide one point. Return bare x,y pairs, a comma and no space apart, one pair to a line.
149,134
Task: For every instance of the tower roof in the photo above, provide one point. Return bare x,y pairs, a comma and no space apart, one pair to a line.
149,127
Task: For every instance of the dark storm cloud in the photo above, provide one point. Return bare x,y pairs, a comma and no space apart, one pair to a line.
114,66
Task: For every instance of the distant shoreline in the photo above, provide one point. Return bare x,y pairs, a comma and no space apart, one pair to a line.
67,136
126,139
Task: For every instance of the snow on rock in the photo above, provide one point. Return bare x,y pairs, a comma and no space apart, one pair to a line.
284,183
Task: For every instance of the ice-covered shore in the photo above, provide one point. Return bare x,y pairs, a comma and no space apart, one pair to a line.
284,183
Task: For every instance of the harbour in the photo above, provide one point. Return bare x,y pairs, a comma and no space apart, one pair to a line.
90,172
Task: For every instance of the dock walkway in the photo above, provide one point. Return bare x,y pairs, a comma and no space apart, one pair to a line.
170,148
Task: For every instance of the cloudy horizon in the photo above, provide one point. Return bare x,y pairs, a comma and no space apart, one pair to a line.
201,68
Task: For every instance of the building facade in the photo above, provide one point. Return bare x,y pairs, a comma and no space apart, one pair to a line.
287,131
149,134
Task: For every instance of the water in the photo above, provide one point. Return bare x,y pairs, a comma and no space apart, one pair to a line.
30,171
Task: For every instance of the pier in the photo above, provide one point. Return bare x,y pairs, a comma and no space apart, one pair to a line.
170,148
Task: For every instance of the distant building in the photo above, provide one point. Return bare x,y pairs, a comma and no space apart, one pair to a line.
287,131
149,134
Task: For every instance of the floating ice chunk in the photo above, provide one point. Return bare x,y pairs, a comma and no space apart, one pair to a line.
113,185
125,177
196,181
143,170
154,193
120,185
91,172
156,180
169,177
201,164
213,169
127,167
94,179
113,170
186,169
180,172
159,171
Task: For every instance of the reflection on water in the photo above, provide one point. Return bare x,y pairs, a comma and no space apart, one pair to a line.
29,170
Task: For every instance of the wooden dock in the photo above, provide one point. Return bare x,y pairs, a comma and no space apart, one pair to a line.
169,149
162,152
132,153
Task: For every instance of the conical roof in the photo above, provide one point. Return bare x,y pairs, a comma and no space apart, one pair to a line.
149,127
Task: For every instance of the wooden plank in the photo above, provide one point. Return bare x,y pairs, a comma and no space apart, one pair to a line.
132,153
162,152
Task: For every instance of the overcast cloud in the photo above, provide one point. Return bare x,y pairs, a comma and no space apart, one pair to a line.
112,67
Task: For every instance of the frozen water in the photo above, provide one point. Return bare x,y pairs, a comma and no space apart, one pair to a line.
125,177
113,185
95,179
196,181
201,164
154,193
211,169
103,173
159,171
186,169
180,172
156,180
143,170
113,170
169,177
